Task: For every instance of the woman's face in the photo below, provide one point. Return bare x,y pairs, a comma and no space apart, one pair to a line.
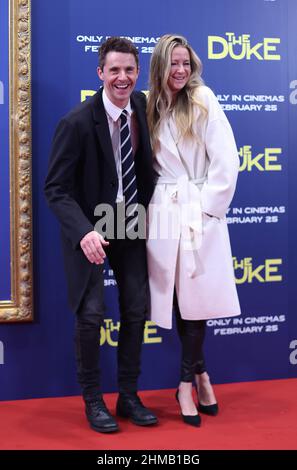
180,69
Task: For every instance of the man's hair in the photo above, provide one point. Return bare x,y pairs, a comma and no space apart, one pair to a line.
117,44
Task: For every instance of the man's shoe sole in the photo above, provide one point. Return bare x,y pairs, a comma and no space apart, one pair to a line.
104,430
148,422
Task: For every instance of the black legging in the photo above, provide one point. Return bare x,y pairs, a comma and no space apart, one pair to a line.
191,333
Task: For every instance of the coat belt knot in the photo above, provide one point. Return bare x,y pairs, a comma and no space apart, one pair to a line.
186,193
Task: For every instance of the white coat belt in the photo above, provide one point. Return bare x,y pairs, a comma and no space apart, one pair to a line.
186,193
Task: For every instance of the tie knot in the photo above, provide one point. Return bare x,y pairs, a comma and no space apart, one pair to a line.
124,115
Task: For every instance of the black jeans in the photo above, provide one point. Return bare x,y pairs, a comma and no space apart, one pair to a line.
127,258
191,334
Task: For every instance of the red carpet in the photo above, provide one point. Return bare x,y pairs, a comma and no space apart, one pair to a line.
253,415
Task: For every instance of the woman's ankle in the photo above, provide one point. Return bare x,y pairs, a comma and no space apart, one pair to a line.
185,399
206,394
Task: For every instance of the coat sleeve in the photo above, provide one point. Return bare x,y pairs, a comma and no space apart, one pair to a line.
220,146
60,183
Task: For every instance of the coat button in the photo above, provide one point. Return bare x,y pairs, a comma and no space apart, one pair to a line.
113,184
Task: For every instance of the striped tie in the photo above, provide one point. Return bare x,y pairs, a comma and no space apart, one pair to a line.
128,173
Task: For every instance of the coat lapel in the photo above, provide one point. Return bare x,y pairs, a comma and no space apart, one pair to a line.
102,131
142,124
167,139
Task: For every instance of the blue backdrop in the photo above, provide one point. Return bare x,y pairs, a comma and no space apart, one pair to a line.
249,54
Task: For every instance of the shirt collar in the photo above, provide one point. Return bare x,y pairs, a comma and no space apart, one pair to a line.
112,110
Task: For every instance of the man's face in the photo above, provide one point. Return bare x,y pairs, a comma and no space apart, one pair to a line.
119,75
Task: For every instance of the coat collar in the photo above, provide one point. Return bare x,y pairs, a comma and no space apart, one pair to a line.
102,128
99,114
166,136
112,110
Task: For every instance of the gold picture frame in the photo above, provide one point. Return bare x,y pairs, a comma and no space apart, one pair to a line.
19,307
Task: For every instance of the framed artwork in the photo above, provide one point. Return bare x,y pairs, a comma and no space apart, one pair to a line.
15,174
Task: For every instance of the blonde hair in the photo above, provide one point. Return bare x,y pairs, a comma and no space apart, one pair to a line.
160,100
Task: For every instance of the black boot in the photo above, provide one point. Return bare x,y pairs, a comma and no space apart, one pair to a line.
130,406
99,417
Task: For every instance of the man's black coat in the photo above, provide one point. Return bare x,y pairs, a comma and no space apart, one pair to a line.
82,174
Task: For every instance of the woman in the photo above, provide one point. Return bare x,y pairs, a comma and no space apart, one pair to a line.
189,255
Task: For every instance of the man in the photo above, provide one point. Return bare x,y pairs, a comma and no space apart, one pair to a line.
101,155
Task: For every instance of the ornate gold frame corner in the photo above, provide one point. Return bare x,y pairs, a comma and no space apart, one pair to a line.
20,306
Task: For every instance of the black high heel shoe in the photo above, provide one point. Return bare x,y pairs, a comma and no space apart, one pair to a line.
188,419
210,410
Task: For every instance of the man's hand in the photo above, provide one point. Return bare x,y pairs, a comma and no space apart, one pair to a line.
92,245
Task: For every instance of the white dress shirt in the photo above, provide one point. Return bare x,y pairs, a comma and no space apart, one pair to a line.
113,114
